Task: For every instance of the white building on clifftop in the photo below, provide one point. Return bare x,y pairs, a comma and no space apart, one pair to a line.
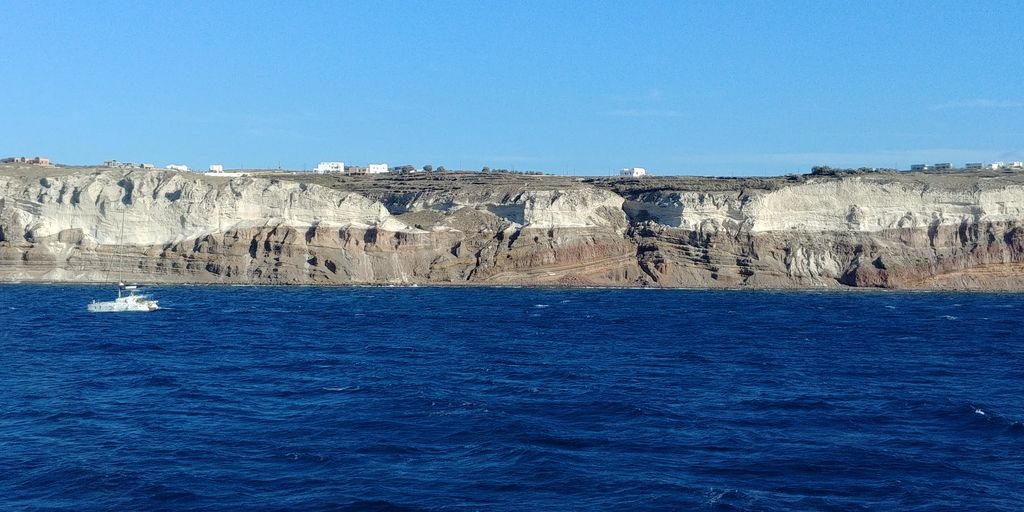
329,167
376,168
633,172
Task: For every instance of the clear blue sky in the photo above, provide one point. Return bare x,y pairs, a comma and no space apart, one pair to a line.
680,87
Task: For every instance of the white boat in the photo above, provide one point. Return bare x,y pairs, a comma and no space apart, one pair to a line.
128,300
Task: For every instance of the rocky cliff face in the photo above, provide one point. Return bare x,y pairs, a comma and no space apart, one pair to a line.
897,231
893,231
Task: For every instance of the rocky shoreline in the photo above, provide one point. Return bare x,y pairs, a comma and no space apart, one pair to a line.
928,231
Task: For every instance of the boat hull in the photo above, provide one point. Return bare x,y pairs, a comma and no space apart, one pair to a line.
131,304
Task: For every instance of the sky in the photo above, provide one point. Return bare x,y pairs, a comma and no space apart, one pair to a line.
585,88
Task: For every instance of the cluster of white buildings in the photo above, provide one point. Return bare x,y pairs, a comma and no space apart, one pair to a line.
114,164
995,166
214,169
218,169
339,168
971,166
126,165
329,167
633,172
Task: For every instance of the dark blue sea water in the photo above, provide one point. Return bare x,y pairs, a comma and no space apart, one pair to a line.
240,398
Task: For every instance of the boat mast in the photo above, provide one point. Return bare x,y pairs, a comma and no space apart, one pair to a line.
120,253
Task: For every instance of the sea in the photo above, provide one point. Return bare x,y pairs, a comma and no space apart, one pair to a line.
409,399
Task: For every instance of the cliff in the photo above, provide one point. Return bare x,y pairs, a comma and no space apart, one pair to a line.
924,231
